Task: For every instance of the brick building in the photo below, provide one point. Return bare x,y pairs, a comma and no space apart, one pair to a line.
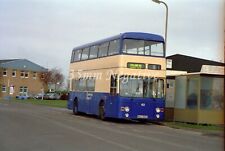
20,76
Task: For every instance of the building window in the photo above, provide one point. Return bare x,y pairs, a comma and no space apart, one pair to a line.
42,76
22,74
34,75
4,72
14,73
3,88
23,89
26,74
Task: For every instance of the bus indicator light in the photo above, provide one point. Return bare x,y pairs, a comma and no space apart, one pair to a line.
127,109
157,110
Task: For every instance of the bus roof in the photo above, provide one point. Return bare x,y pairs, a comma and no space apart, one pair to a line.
126,35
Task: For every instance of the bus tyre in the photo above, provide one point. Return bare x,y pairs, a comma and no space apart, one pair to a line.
102,112
75,108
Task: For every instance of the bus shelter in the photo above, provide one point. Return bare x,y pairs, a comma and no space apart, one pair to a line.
197,97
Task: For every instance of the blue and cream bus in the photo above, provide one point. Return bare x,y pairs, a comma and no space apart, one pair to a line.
119,77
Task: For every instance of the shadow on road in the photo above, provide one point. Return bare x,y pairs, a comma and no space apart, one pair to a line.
119,121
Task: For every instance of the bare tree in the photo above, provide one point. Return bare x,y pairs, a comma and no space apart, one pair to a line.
46,77
57,78
52,77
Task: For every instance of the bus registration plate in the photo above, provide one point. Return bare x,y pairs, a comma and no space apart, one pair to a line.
142,116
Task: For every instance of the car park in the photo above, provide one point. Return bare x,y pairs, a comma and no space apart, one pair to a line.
23,96
51,96
39,96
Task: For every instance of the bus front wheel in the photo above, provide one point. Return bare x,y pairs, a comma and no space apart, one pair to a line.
75,108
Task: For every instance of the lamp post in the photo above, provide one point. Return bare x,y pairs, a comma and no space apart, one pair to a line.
159,2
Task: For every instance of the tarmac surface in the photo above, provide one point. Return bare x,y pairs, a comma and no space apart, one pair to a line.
26,127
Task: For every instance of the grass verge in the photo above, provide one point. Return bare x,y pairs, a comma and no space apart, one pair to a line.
196,127
51,103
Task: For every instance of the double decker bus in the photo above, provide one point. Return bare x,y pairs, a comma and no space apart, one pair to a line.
119,77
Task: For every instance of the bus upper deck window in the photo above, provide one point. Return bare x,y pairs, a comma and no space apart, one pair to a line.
103,49
77,55
133,46
93,52
157,49
113,47
85,54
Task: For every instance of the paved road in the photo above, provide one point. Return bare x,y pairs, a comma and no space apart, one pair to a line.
25,127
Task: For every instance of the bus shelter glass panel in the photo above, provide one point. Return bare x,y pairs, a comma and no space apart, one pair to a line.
212,93
142,47
113,47
180,92
193,92
142,87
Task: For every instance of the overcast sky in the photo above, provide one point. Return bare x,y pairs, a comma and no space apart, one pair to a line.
46,31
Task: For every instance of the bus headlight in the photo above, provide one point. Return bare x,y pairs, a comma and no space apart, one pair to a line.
157,110
127,109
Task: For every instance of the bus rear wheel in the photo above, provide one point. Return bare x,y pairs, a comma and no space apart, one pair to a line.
102,112
75,108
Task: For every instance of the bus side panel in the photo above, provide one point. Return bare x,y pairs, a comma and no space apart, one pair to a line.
109,104
70,101
82,103
88,102
111,107
94,101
